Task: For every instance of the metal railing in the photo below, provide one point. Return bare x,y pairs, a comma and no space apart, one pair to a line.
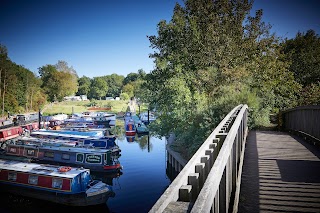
210,181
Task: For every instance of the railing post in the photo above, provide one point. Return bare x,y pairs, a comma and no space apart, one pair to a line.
199,168
185,193
193,180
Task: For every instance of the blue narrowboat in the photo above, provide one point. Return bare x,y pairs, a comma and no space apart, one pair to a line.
75,135
100,160
58,184
86,143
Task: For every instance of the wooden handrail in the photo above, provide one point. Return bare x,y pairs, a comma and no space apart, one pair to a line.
207,166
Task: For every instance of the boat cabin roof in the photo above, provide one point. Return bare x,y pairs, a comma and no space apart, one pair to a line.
68,133
61,145
40,169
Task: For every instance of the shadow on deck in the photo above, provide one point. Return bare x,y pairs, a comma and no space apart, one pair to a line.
280,173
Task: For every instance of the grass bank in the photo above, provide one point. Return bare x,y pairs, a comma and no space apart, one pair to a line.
69,107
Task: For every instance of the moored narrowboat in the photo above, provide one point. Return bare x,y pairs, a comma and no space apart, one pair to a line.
86,143
129,125
11,132
31,126
100,160
57,184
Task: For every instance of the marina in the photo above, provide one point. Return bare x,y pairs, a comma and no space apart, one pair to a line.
142,181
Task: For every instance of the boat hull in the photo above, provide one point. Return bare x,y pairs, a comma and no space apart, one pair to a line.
65,199
130,133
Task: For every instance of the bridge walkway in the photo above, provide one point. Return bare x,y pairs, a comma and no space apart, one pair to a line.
281,173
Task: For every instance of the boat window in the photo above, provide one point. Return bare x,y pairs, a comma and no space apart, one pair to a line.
12,176
80,157
31,152
49,154
65,156
13,150
33,179
56,183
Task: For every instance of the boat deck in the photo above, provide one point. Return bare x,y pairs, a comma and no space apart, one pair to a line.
140,126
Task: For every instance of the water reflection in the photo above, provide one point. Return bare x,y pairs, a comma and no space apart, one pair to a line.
130,138
108,178
171,171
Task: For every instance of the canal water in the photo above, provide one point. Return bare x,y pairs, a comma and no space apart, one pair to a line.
142,182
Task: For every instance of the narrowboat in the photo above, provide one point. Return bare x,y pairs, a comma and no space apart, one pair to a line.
11,132
141,128
130,128
31,126
6,123
86,137
68,133
134,125
100,160
85,143
58,184
22,119
103,118
147,117
129,125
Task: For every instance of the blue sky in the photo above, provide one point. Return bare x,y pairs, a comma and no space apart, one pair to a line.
101,37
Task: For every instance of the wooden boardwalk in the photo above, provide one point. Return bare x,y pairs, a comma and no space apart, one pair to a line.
281,173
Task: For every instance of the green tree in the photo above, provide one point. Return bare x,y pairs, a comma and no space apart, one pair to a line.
304,53
57,84
131,77
84,85
99,88
129,89
114,82
19,87
208,52
124,96
62,66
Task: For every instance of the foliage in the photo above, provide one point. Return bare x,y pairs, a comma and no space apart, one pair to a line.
23,91
210,57
84,85
128,89
124,96
131,77
310,95
19,88
98,88
114,83
62,66
57,84
304,53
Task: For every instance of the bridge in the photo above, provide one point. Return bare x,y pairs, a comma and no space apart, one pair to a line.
241,170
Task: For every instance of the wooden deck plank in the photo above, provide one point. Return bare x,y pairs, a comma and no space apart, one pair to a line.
281,173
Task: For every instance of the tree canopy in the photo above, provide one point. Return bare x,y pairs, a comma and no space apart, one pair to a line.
211,56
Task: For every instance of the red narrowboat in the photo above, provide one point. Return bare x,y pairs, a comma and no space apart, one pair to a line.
59,184
11,132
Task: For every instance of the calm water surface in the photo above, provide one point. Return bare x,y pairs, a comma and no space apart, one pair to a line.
142,182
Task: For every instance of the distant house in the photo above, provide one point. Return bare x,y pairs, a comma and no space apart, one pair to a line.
72,98
84,97
76,98
110,98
